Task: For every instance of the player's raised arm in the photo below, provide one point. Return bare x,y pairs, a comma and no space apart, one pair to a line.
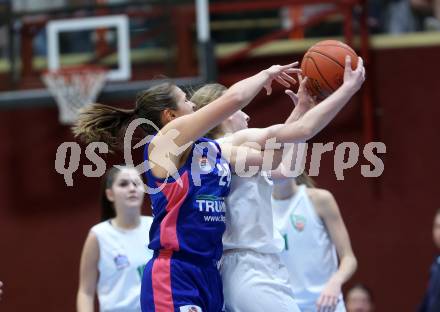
313,120
193,126
320,116
302,101
189,127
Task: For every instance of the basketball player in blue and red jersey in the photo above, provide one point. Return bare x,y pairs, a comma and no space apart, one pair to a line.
188,180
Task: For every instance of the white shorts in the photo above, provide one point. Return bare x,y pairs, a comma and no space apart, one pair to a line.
312,308
255,282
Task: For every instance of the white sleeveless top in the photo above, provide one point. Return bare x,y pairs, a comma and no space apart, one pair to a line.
309,254
123,255
249,220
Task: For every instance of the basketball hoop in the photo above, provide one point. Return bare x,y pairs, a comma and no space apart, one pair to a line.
74,88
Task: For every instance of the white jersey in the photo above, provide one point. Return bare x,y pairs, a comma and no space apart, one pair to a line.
249,219
256,282
123,255
309,254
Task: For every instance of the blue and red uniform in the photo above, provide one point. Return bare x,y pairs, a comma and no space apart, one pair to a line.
186,234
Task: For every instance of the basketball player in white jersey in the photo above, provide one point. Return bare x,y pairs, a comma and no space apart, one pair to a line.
254,278
359,298
115,251
315,237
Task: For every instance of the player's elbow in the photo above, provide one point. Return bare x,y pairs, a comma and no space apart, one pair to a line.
350,259
305,132
355,263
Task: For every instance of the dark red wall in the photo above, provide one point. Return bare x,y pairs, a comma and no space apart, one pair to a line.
43,223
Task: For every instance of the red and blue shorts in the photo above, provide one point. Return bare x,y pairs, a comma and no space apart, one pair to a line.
174,283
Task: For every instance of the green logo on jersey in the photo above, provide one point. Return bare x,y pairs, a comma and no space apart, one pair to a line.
209,197
286,244
298,222
140,270
210,203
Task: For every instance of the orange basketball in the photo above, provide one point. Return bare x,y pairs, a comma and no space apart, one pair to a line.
324,64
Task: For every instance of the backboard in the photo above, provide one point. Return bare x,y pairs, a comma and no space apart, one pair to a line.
138,42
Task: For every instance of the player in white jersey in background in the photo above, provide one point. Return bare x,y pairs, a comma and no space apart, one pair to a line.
254,278
359,298
115,251
315,236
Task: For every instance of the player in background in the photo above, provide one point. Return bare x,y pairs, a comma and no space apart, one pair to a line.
315,237
359,299
431,300
115,252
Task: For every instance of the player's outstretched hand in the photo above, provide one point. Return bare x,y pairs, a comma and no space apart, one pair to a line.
280,73
329,297
354,79
302,98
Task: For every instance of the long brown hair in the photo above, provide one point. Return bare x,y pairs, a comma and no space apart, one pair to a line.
306,180
99,122
205,95
107,208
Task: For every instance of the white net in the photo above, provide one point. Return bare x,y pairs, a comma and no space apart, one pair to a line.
74,88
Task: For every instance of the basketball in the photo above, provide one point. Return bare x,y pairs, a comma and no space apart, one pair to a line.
324,64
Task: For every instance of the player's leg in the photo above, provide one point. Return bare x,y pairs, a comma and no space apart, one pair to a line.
254,282
171,284
147,298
